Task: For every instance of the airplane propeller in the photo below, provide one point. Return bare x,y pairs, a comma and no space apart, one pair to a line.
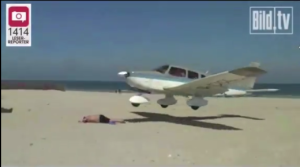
124,74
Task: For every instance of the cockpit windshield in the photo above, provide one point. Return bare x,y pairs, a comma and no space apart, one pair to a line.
162,69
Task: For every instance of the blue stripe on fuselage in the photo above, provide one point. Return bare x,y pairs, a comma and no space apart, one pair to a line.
163,77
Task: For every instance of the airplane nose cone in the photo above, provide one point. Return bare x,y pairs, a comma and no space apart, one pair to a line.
124,74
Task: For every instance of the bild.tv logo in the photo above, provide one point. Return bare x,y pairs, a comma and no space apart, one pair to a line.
267,20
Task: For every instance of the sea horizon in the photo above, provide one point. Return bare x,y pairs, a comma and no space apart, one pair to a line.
289,90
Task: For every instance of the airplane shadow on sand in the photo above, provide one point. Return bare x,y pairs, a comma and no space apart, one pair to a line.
189,121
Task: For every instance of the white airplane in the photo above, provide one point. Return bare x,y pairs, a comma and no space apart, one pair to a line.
178,81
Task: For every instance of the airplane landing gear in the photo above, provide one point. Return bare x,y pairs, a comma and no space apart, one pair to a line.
196,102
195,107
137,100
164,106
168,100
135,104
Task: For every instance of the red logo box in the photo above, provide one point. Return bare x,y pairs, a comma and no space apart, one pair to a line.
18,16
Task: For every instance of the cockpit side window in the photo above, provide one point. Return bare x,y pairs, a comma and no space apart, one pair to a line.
177,72
193,75
162,69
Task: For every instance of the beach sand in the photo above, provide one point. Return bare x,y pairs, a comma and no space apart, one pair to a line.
43,129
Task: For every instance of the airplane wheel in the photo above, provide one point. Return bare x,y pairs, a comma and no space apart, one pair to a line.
164,106
135,104
194,107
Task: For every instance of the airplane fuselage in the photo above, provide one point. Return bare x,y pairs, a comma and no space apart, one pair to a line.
154,82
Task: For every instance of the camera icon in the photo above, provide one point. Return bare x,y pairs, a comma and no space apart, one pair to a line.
18,16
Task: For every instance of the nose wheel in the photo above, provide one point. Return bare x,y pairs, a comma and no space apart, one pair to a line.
137,100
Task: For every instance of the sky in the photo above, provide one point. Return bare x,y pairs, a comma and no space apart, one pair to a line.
95,40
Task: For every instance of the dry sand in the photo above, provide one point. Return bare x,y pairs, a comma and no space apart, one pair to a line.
43,130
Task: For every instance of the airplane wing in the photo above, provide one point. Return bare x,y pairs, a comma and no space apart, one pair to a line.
216,83
261,90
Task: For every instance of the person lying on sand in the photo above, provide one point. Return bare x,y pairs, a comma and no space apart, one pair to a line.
100,119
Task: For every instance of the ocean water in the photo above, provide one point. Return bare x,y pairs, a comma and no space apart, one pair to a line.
285,90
